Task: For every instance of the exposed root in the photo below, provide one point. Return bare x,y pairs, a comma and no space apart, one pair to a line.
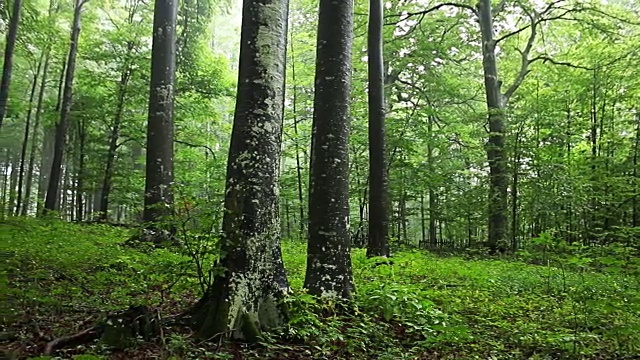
77,339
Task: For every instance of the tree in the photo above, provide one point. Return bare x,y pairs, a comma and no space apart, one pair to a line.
7,67
62,125
159,167
378,183
328,257
244,300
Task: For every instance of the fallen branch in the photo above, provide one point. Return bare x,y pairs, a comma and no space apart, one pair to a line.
79,338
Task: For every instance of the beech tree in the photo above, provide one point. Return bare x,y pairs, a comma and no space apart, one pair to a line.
51,201
159,166
378,187
245,299
328,257
7,67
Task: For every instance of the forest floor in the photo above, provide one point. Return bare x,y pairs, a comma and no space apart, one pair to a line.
63,278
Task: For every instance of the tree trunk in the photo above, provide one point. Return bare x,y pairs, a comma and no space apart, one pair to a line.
378,183
514,193
25,140
34,140
10,45
496,153
297,148
79,189
244,300
13,179
5,183
635,216
328,256
158,198
113,142
423,227
433,201
61,126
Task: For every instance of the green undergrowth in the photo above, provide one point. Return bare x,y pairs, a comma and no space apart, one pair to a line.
416,306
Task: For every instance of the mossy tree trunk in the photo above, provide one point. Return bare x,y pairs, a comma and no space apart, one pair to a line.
245,299
158,197
328,256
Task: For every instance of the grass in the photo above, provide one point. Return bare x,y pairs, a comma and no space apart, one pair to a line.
61,277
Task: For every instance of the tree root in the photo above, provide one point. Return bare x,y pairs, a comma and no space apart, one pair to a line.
79,338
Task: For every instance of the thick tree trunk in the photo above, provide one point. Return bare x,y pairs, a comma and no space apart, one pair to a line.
61,126
496,153
245,300
10,45
378,183
158,198
25,140
328,256
34,140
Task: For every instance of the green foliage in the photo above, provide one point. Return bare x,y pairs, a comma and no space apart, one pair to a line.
406,307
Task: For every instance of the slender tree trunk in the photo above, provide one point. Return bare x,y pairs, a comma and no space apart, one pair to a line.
34,140
113,142
328,255
5,183
378,182
636,148
433,200
25,140
496,153
79,188
49,134
423,227
13,179
10,45
62,125
295,132
244,300
158,198
403,217
514,194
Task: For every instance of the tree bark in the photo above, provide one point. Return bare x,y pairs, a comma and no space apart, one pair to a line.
295,133
496,153
158,198
113,142
34,140
328,256
25,140
10,45
245,299
378,183
62,125
80,174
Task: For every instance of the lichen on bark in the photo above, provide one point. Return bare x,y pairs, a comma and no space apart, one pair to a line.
246,299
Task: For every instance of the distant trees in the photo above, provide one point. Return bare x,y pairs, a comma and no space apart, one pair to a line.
245,299
51,201
328,255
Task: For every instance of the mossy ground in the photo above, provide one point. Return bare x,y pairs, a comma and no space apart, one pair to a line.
61,278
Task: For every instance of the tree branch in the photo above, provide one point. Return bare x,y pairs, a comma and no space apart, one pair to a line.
407,15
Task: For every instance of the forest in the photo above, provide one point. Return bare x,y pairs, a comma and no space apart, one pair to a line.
331,179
